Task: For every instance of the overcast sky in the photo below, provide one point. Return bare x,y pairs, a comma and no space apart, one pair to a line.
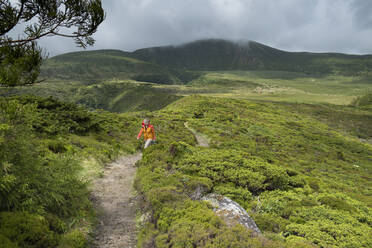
294,25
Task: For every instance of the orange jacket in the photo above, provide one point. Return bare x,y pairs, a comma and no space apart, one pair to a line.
148,133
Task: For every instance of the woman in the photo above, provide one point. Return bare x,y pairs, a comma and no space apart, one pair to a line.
148,132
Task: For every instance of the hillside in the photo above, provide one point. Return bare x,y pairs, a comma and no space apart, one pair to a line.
174,64
112,95
304,176
96,66
216,54
301,171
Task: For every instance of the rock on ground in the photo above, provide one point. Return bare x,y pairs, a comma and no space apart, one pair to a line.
231,211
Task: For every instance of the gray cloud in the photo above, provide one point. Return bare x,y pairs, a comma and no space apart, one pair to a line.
294,25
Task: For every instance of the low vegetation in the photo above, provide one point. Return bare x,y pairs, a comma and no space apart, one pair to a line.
49,152
96,66
115,96
364,101
129,95
301,172
304,182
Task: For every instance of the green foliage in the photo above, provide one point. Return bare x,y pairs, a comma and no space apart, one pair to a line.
103,65
336,203
114,96
66,117
270,223
354,121
6,243
364,101
20,59
230,166
296,175
19,65
44,146
73,239
26,230
297,169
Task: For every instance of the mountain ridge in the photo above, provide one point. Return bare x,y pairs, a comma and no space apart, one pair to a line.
242,42
216,55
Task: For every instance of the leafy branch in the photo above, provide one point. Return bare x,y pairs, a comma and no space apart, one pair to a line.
77,19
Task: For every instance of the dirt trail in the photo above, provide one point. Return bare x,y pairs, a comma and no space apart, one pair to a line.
113,197
202,141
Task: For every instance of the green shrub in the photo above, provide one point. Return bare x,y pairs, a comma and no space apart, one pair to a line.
314,184
43,143
73,239
239,194
298,242
270,222
299,176
230,166
363,101
27,230
56,146
6,243
336,203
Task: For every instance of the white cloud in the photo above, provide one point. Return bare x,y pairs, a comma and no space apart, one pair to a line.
295,25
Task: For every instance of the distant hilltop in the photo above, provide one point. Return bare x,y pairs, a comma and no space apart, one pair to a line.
216,54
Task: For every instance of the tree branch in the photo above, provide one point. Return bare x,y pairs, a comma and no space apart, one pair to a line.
15,21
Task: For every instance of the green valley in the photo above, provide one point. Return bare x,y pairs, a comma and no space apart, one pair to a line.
97,79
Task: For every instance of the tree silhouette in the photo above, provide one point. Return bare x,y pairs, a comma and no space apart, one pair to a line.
21,57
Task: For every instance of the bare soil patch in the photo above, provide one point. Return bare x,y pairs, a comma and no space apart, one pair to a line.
116,204
202,141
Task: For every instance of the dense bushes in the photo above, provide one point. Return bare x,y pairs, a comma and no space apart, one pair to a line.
364,101
303,182
27,230
173,219
44,199
239,168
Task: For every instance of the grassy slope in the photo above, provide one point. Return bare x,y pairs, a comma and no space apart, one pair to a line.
100,65
312,180
116,95
282,86
129,95
304,162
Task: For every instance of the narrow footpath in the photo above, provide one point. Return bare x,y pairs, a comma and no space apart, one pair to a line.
113,197
202,141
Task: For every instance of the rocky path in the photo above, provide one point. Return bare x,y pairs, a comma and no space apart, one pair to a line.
113,197
202,141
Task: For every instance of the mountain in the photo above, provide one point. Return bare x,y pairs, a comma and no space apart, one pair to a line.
214,54
181,64
93,66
